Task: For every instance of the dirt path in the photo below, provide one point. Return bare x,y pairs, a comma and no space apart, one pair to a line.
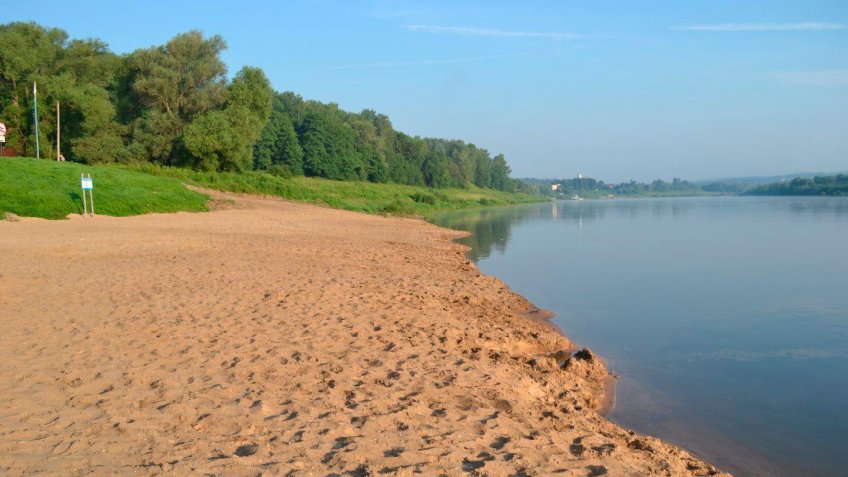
286,339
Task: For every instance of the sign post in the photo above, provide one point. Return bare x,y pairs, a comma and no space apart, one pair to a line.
2,138
87,185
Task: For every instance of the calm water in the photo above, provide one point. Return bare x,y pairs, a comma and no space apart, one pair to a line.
726,318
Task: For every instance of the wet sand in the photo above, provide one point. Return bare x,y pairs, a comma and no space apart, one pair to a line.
287,339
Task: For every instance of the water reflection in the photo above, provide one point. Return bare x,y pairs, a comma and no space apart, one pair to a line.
491,227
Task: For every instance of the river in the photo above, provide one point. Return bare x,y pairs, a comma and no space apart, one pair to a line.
725,318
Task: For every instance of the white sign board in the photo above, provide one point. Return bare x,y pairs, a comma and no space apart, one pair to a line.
2,129
2,138
87,183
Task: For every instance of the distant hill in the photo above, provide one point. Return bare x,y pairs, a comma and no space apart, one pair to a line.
759,180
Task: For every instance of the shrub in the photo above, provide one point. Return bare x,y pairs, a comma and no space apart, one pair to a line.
398,207
280,170
423,198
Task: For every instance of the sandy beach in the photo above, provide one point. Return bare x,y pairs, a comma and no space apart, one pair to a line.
276,338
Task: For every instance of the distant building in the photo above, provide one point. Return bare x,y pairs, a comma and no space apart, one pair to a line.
555,187
579,175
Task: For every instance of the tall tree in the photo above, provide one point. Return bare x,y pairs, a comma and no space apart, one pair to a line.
278,145
28,53
500,173
435,169
175,83
223,139
328,148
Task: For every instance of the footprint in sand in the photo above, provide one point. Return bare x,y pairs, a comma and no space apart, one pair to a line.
246,450
469,465
393,452
596,470
499,443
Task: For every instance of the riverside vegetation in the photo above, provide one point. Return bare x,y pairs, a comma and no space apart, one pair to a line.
173,106
587,187
50,189
836,185
171,111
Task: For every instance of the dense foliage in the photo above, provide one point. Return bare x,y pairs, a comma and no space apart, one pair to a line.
317,139
820,185
173,105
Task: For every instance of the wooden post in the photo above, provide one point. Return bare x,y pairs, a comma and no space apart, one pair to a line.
58,133
84,206
35,118
91,196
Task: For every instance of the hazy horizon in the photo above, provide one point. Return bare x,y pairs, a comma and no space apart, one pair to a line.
614,91
694,179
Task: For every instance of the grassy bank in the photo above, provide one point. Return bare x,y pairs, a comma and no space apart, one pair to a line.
49,189
356,196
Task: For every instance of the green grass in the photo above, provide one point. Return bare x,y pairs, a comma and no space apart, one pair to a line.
50,189
356,196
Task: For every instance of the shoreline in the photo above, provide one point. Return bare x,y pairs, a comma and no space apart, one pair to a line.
546,317
281,337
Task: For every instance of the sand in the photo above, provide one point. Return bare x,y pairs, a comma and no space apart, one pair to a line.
277,338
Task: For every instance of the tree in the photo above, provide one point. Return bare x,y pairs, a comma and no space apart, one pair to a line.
500,173
328,148
212,142
251,90
408,160
435,169
482,169
291,104
175,83
28,53
278,145
223,139
183,78
90,62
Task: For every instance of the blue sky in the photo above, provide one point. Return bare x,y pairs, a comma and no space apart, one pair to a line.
616,90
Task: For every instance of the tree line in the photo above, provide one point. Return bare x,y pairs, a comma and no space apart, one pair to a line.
316,139
174,105
836,185
587,186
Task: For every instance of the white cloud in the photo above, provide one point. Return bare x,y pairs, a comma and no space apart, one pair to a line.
471,31
813,78
801,26
444,61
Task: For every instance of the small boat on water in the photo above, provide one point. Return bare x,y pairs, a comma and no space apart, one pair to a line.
576,197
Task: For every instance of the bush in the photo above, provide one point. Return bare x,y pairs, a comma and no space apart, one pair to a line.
423,198
280,170
398,207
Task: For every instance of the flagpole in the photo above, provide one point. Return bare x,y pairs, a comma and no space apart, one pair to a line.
35,115
58,133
